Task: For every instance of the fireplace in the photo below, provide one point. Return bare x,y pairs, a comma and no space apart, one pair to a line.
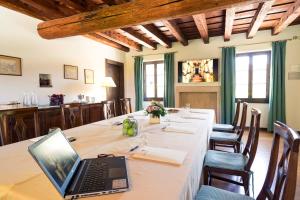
206,97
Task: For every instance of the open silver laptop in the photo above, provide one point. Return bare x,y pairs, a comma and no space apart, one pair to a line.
73,177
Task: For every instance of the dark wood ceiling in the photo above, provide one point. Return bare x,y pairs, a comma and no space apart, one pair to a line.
217,23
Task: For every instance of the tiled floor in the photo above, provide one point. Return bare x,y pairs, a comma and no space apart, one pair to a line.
259,167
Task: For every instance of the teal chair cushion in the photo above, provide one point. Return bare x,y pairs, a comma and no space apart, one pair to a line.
223,127
225,160
211,193
223,136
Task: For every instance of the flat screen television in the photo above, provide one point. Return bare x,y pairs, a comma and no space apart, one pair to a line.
197,71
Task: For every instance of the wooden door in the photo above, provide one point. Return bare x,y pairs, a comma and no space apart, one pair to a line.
116,71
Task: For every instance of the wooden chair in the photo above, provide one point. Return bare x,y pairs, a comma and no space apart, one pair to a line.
109,108
230,127
235,164
17,124
125,105
231,140
71,115
286,176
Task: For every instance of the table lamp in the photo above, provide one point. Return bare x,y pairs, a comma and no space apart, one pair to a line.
108,82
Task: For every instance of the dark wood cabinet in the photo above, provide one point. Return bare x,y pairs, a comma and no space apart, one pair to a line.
51,117
86,113
96,112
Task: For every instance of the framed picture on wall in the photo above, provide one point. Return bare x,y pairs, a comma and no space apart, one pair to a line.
88,76
71,72
10,66
45,80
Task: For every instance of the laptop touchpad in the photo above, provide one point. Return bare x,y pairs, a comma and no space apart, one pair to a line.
116,173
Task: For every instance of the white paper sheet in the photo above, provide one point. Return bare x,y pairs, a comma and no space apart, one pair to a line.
163,155
180,129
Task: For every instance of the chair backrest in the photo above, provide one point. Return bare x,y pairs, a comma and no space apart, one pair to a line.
252,141
16,125
71,115
286,168
241,128
237,113
109,108
125,104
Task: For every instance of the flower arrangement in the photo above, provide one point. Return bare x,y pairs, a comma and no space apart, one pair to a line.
156,109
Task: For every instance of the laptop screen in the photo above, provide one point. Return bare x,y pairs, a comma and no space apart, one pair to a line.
57,158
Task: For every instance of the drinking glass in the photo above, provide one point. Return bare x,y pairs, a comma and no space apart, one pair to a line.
26,99
187,107
34,99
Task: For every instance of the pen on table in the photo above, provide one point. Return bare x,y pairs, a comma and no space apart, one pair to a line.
134,148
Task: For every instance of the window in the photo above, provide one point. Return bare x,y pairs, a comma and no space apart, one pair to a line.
154,74
253,76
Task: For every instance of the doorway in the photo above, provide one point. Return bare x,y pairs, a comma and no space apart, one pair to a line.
115,70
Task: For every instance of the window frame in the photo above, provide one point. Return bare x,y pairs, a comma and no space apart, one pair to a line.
155,81
250,77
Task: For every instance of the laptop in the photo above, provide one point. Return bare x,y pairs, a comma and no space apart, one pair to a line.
76,178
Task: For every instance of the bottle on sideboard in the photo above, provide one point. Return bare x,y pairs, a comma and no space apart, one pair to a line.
26,99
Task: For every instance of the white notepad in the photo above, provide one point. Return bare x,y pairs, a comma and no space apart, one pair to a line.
169,156
180,129
194,116
199,111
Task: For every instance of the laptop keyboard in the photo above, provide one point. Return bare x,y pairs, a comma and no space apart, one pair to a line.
95,176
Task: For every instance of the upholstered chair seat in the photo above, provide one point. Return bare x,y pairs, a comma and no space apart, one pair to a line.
225,160
232,137
223,136
211,193
280,181
230,127
223,127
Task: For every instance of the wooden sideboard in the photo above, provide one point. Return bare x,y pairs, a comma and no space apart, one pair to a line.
50,116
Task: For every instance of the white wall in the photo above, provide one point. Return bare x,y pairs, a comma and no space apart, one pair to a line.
19,38
197,49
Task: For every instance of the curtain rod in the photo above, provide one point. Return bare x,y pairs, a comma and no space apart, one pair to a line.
289,39
153,54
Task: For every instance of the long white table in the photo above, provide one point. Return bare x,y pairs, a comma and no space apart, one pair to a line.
21,178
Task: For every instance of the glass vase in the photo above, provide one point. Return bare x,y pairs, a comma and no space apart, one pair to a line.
130,127
154,119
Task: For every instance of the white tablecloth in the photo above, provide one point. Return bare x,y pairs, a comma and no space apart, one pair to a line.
21,178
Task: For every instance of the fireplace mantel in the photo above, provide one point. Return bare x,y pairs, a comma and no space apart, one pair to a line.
207,97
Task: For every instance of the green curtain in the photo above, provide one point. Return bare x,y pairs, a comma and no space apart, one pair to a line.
138,82
277,92
169,98
228,85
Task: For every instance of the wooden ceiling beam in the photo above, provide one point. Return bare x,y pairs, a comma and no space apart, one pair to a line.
25,10
96,1
46,10
175,30
114,2
229,18
152,31
137,37
130,14
19,7
106,41
200,21
261,13
121,39
76,8
292,13
72,5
